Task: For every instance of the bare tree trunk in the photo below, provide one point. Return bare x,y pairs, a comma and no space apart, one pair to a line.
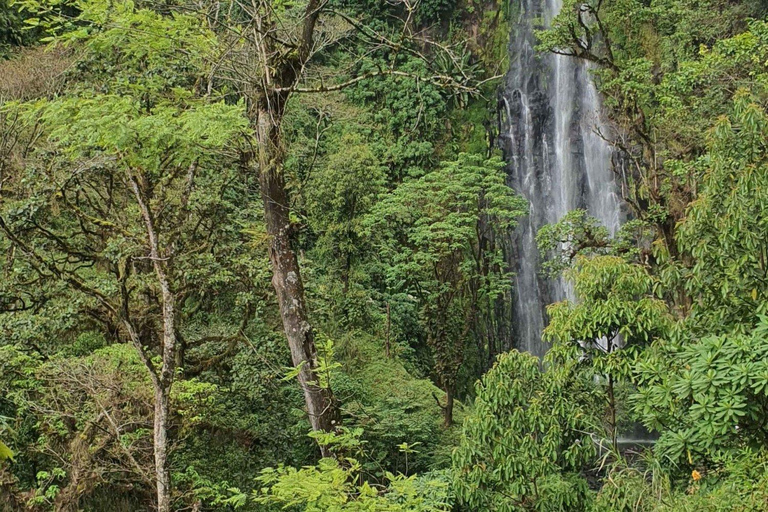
286,278
163,388
448,409
389,326
162,474
163,379
280,73
161,384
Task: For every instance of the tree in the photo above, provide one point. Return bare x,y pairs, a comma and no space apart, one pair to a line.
269,59
614,315
708,397
339,198
96,417
526,441
726,229
113,207
704,388
616,311
433,232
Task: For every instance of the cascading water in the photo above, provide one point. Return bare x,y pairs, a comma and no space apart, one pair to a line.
550,134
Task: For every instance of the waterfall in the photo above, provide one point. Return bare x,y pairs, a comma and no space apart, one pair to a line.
551,137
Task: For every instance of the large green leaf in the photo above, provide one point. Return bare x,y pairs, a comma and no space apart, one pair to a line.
5,452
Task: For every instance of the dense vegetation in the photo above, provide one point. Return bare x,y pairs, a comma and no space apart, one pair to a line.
255,256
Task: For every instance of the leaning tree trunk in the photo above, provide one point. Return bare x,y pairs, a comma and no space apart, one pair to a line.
286,278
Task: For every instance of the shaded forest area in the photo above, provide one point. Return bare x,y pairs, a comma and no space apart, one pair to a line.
255,256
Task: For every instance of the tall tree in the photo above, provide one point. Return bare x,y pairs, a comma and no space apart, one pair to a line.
265,51
123,190
270,58
433,232
527,439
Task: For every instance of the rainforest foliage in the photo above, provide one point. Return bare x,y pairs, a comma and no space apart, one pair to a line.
257,256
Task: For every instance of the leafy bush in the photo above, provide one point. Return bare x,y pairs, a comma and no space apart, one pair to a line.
527,440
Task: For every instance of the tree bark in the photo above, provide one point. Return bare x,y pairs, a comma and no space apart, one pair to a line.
280,73
448,409
389,328
286,278
162,474
162,380
163,388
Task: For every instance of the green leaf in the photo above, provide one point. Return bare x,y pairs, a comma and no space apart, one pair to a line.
5,452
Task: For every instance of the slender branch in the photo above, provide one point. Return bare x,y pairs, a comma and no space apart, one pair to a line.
169,328
441,80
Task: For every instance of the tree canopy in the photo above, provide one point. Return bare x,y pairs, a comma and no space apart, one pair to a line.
260,256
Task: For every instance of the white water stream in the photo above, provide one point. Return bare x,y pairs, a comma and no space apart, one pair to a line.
550,134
